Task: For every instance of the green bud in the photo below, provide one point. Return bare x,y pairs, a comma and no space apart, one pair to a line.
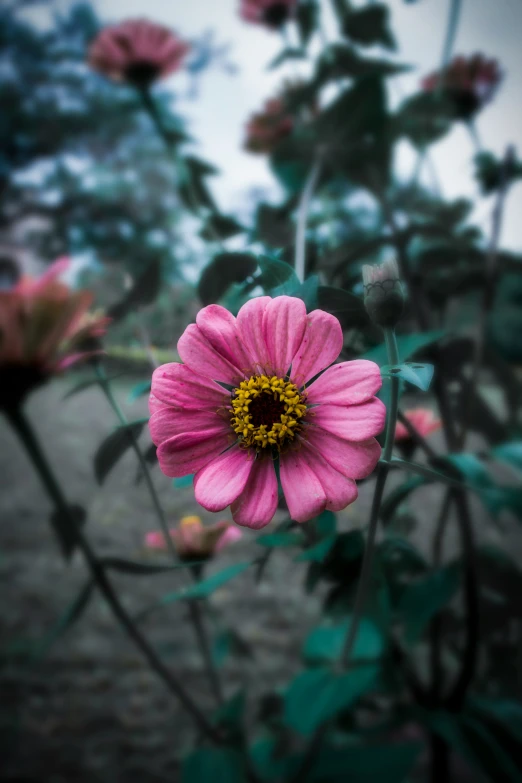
383,293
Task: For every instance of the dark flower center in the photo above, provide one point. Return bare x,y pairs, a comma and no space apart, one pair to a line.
142,73
266,410
276,14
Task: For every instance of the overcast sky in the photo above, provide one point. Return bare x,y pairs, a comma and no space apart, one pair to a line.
217,118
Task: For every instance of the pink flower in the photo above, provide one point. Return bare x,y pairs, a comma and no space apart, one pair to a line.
270,13
468,82
137,51
267,128
424,421
42,325
195,541
247,398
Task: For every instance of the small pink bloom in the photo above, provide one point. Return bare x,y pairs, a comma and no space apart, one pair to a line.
42,325
322,432
424,421
468,82
270,13
267,128
195,541
137,51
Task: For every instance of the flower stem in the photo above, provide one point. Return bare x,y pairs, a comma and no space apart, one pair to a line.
201,633
382,474
107,390
451,34
26,434
302,218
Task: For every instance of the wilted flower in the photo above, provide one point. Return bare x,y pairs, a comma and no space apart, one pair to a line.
137,51
383,294
195,541
249,400
271,13
43,325
468,82
267,128
424,421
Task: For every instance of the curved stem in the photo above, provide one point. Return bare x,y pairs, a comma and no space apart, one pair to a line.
27,436
382,474
302,218
451,34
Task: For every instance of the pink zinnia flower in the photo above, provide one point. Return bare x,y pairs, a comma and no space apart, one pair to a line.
248,399
468,82
195,541
424,421
43,324
270,13
267,128
137,51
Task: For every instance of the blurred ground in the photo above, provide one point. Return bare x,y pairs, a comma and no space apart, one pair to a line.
92,712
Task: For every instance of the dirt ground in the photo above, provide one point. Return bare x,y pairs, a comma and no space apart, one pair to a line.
92,712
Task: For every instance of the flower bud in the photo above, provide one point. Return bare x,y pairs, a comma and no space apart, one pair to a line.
383,293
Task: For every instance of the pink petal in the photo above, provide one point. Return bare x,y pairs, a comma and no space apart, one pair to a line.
257,504
284,325
353,460
220,328
177,385
304,493
230,536
197,353
250,326
321,345
166,423
339,490
190,452
348,383
351,422
218,484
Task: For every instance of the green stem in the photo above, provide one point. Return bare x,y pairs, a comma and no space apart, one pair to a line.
27,436
451,34
302,219
107,390
382,474
201,633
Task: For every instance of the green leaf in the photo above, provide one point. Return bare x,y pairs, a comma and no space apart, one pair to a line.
224,270
144,291
268,762
285,55
277,277
142,569
325,524
307,291
69,618
418,375
80,387
307,19
325,644
317,695
401,557
207,586
408,346
339,61
347,307
317,552
292,159
230,714
192,188
220,227
183,481
399,495
219,765
114,447
280,539
370,25
229,642
423,599
510,453
361,764
424,118
429,473
139,390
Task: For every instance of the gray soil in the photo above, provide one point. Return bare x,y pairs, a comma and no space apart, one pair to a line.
92,711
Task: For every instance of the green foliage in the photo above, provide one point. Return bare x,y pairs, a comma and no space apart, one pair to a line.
114,447
325,644
359,764
418,375
369,26
224,270
423,599
222,765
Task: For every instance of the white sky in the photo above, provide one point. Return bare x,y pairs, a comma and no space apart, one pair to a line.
218,116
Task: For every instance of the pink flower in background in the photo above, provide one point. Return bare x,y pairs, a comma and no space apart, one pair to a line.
267,128
248,394
270,13
43,327
468,82
195,541
424,421
137,51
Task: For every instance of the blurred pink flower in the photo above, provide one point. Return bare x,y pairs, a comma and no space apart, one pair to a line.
43,326
270,13
468,82
195,541
267,128
424,421
321,433
137,51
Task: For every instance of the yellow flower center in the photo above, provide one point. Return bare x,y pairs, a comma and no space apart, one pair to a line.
267,412
190,521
